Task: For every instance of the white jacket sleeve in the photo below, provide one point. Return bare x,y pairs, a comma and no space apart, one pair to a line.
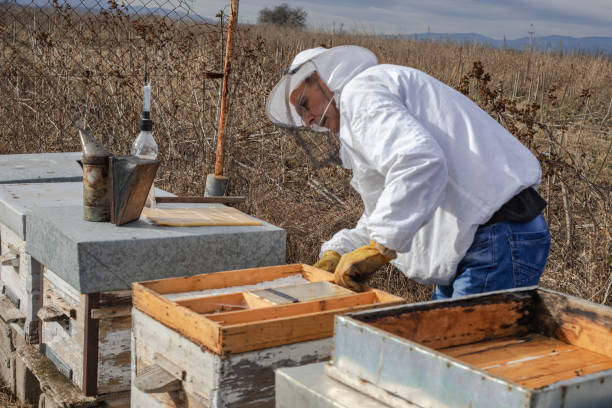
348,240
393,143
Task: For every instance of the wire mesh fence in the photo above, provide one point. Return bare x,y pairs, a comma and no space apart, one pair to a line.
87,60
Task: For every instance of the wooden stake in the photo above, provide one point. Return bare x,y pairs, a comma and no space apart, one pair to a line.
90,350
226,72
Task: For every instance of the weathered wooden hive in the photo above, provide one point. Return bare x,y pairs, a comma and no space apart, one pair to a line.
520,348
195,348
25,180
89,268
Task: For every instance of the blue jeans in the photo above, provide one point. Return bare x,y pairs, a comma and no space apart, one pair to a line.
504,255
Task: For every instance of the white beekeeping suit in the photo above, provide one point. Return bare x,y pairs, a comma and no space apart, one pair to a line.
429,164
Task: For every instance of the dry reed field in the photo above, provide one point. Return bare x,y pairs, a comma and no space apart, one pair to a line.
58,66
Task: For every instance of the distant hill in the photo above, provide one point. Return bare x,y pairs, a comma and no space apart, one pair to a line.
589,45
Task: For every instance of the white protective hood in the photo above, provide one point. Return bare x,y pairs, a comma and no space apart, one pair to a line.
428,163
336,66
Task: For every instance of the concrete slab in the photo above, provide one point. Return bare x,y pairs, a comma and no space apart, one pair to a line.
17,199
308,387
95,257
40,168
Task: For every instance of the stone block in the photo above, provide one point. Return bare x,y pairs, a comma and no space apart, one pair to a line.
17,199
40,168
95,257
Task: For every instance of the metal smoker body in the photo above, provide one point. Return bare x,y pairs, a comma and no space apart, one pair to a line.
96,181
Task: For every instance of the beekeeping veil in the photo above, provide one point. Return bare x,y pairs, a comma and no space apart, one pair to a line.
335,66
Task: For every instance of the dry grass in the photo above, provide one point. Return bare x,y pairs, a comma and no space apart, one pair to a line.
7,401
60,70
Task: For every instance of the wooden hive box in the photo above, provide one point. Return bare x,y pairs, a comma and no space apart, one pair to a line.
520,348
220,350
20,279
67,317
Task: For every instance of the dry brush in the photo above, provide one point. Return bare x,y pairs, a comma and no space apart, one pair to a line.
58,66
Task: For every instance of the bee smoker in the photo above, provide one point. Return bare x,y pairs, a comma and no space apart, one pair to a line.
96,181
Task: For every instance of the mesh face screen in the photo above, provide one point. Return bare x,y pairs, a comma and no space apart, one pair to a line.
322,149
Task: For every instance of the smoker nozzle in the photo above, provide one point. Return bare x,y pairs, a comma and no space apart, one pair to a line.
91,147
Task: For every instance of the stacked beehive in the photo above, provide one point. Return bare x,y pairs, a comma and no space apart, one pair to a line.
26,180
69,286
86,296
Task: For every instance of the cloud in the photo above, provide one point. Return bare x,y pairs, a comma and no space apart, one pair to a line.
494,18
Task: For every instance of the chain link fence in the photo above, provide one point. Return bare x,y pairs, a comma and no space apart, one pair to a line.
63,61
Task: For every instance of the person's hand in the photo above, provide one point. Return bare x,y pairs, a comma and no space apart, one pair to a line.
356,267
328,262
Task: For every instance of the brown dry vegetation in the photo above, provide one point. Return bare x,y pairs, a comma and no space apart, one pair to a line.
8,401
58,67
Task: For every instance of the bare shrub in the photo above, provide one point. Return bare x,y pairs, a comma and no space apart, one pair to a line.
283,15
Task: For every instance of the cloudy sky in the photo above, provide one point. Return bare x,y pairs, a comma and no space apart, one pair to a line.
493,18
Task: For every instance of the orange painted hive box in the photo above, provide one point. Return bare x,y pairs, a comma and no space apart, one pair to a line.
243,310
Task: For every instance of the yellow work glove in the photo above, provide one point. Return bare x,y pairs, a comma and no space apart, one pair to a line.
356,267
328,262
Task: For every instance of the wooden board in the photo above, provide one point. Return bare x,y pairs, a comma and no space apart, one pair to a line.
239,277
8,312
198,217
66,337
453,326
22,281
575,321
234,323
154,379
533,361
300,293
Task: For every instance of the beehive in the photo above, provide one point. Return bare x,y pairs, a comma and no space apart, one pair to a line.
89,268
520,348
220,350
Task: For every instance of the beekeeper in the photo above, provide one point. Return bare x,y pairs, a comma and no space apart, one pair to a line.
449,194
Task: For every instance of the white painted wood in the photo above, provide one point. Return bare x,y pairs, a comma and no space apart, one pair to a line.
309,387
12,277
67,344
366,388
23,281
8,312
67,340
153,379
7,355
114,354
70,294
240,380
